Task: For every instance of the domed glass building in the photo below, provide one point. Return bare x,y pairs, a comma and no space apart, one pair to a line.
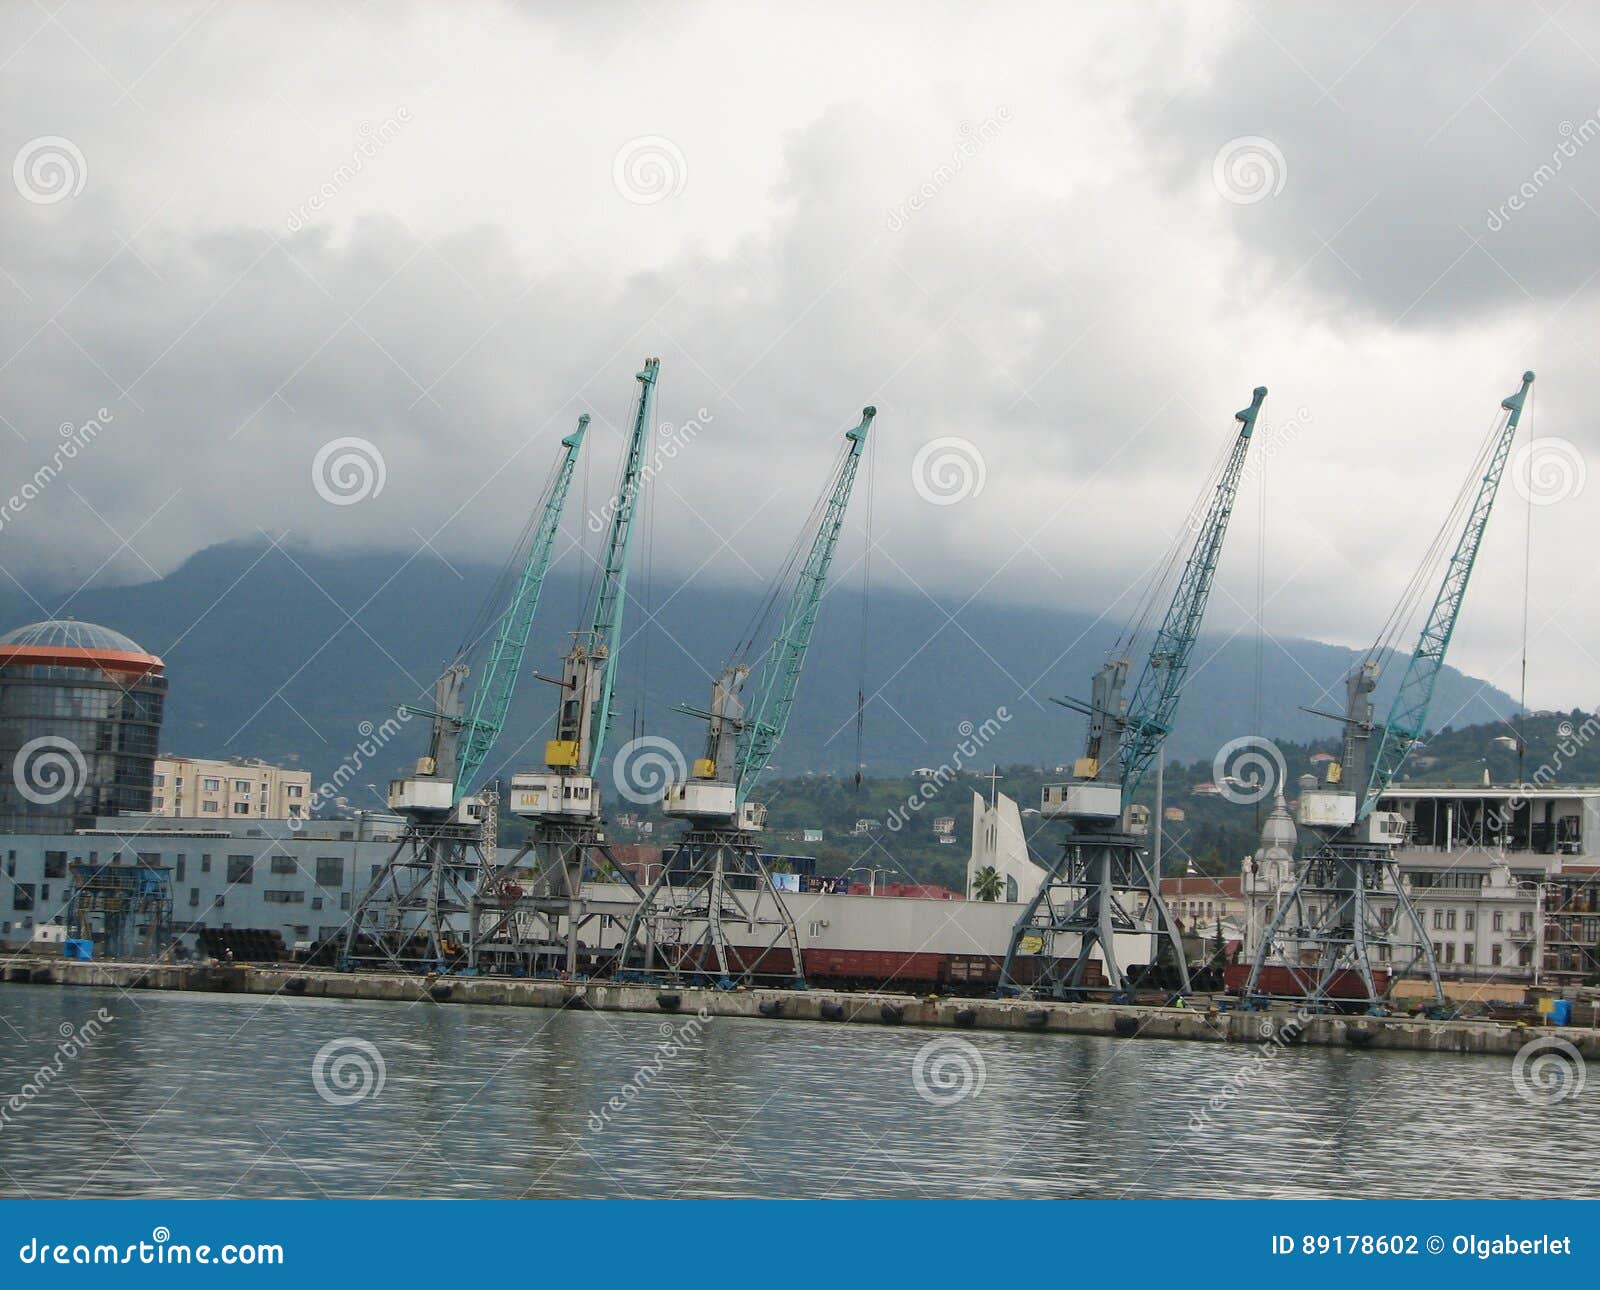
80,723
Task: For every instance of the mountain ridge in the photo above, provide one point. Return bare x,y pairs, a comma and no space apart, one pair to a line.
283,653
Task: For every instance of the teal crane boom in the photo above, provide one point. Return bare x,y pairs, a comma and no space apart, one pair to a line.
605,629
780,672
1408,714
1160,686
483,724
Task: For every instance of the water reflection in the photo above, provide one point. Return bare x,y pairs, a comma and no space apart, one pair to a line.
209,1095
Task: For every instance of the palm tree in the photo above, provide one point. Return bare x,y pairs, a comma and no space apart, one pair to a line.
987,884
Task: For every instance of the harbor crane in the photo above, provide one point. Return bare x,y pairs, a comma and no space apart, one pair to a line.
409,916
716,884
1103,887
1346,928
529,916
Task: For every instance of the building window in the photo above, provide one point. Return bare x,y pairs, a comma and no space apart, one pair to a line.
293,790
177,873
1438,920
194,897
208,808
160,781
211,785
241,786
240,869
1524,921
344,900
1450,920
1499,922
22,897
55,864
205,864
1496,954
330,871
284,864
241,808
1469,920
1466,952
1525,956
284,897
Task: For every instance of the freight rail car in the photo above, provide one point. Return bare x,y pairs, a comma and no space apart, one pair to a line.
1286,982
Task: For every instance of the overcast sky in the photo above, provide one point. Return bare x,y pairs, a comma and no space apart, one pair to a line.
1072,240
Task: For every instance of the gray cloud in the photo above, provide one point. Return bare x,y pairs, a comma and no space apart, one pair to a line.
991,233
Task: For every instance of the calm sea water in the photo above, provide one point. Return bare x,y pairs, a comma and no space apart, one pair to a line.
208,1095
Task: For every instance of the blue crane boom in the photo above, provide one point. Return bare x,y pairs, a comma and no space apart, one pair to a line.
605,629
1160,686
482,725
780,670
1409,712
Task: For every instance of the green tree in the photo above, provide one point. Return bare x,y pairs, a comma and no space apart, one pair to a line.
987,884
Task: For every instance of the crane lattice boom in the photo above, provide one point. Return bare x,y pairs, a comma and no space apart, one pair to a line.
1408,715
780,675
493,699
605,629
1160,686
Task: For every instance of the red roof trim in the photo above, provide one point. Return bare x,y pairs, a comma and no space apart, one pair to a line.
107,660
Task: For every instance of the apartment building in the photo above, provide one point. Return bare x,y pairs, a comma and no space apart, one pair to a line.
241,788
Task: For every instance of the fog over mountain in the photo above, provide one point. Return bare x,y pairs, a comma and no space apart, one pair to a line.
1064,243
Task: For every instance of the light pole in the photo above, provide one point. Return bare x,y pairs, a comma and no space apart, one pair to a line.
872,876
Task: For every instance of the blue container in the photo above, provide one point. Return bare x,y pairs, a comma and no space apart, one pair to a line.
80,951
1561,1012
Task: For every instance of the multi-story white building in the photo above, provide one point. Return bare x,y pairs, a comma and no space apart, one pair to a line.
1476,863
228,874
241,788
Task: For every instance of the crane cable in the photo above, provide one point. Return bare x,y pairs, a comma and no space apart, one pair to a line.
785,576
1422,578
496,604
1161,576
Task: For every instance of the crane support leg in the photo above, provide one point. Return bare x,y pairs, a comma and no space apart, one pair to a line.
713,916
